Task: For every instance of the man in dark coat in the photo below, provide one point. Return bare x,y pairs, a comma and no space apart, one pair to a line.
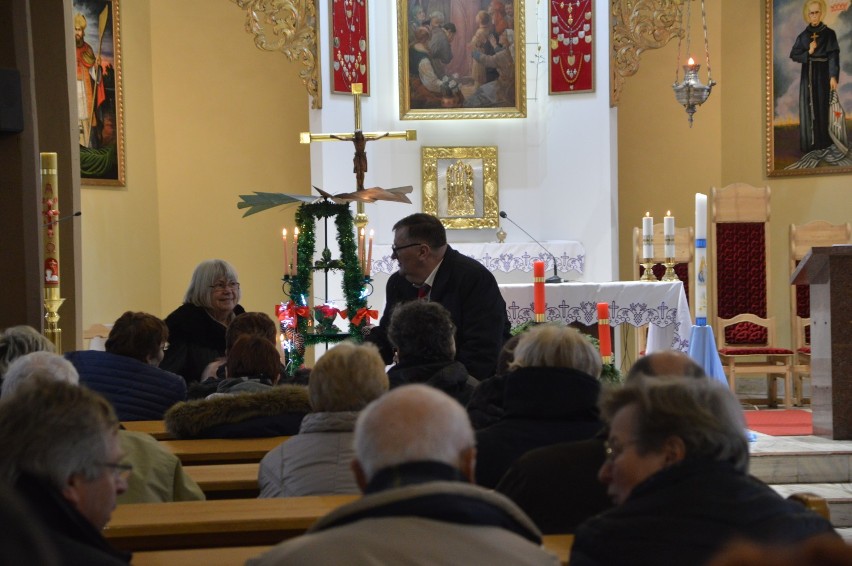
430,269
62,455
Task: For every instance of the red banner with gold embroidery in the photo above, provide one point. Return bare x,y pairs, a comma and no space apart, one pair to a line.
571,47
350,61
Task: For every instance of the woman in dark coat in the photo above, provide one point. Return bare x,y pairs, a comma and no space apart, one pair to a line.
197,328
550,396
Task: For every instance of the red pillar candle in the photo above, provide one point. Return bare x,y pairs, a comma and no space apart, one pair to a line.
538,291
603,333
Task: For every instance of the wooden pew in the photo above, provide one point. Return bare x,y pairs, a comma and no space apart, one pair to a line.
226,481
222,450
557,544
227,522
157,429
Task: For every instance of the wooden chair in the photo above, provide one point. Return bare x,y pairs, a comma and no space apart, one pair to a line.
803,237
684,254
739,293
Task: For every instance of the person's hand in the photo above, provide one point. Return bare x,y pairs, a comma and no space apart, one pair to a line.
212,368
812,47
833,82
493,41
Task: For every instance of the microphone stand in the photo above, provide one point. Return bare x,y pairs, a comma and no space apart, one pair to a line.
555,277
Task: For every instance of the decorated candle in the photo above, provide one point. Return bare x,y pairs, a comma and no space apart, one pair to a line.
648,236
362,256
50,215
604,338
286,259
369,265
538,290
295,250
701,259
669,234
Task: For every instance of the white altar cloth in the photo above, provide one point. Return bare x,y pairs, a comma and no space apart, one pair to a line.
503,258
661,305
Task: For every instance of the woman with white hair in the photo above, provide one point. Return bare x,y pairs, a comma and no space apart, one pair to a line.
550,396
197,328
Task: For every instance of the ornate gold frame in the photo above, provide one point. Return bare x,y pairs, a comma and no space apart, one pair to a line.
293,23
119,180
773,168
478,165
407,113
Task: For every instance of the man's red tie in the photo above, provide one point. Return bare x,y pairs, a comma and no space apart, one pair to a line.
423,291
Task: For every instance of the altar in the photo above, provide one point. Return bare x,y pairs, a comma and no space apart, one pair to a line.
660,305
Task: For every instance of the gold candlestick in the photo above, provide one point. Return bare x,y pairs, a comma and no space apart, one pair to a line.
649,272
52,302
670,274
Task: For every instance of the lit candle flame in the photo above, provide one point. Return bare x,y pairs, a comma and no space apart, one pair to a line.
284,233
668,213
647,214
691,62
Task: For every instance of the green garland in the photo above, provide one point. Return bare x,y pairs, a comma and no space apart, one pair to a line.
353,279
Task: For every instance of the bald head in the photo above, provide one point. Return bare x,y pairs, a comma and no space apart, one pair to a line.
665,363
413,423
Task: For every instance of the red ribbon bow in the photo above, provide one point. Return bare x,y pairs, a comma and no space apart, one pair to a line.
364,312
288,313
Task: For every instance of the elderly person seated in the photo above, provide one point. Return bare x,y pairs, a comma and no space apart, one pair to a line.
62,454
158,474
197,327
414,459
557,486
317,460
127,373
550,396
677,470
17,341
427,357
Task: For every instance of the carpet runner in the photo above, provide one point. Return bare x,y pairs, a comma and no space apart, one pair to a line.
784,422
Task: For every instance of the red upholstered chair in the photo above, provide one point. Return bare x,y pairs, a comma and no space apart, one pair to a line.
684,253
803,237
739,259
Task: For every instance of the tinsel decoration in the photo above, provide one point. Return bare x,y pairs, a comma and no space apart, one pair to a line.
353,279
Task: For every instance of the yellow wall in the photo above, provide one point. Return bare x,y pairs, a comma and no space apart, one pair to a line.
208,116
661,161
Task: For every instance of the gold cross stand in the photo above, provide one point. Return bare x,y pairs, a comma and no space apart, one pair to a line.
359,139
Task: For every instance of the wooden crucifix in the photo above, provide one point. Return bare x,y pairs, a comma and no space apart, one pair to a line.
358,138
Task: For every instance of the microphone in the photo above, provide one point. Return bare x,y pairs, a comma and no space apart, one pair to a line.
554,278
64,218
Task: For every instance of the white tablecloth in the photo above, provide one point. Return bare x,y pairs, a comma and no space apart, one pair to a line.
506,257
661,305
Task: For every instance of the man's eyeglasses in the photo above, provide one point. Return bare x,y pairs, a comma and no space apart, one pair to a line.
395,249
222,286
119,471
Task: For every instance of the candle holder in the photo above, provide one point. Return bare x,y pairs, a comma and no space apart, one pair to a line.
52,302
670,274
286,284
649,272
367,288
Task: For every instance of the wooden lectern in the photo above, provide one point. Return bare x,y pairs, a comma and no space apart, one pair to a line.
828,270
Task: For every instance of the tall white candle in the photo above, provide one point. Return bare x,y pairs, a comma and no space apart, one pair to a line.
700,216
648,236
669,234
701,272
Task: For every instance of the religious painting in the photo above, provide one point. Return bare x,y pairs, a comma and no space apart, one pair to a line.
350,59
809,87
571,61
460,186
100,111
461,59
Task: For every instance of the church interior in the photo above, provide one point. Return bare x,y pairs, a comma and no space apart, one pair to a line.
208,116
